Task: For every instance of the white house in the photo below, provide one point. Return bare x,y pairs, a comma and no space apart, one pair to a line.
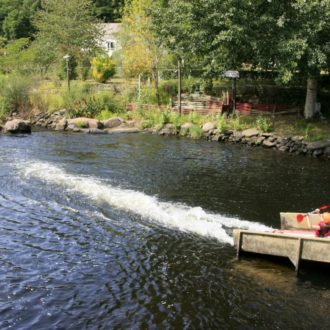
109,41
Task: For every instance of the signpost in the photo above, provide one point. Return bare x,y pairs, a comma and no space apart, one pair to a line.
233,74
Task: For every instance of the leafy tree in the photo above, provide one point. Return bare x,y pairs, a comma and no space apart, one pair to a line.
142,54
108,10
16,18
12,55
67,27
289,37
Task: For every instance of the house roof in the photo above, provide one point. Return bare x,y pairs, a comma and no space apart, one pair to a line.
109,28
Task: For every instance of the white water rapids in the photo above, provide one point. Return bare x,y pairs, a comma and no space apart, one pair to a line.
172,215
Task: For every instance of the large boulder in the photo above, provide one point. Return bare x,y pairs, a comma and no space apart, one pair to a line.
82,122
208,127
318,145
17,126
113,122
250,132
61,125
187,125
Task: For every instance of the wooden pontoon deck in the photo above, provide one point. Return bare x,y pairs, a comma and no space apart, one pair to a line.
296,247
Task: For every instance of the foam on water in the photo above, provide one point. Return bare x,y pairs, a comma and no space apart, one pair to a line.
173,215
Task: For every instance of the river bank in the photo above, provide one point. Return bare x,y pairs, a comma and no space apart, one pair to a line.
251,137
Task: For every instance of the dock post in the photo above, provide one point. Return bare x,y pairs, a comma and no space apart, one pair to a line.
239,245
299,251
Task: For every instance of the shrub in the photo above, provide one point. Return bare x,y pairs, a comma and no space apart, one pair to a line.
103,68
4,108
14,91
195,132
222,123
263,124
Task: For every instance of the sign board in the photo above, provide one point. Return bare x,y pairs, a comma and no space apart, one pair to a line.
231,74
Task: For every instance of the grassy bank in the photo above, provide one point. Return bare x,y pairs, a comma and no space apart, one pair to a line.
288,125
25,96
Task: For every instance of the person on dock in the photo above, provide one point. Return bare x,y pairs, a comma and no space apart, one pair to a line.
323,229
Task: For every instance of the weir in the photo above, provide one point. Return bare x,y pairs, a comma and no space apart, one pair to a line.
173,215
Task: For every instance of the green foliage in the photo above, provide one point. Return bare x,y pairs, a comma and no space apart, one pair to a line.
4,107
195,118
108,10
14,93
229,34
222,124
16,18
263,124
62,73
12,55
103,68
195,132
67,27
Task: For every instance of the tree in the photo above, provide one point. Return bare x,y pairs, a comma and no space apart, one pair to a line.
16,18
142,54
108,10
67,27
287,37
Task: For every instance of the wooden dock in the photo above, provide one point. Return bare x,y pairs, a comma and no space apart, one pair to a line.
295,247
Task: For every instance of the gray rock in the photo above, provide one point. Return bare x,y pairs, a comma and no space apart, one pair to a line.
268,144
17,126
317,153
61,125
131,123
95,131
260,140
297,138
187,125
113,122
216,137
82,122
283,148
123,130
250,132
318,145
272,138
208,127
327,152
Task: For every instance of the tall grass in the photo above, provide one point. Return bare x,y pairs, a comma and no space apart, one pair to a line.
14,94
80,101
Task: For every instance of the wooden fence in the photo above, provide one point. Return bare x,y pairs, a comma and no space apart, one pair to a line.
213,106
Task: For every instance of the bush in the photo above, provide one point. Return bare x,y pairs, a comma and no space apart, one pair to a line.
14,92
263,124
195,132
222,123
103,68
4,108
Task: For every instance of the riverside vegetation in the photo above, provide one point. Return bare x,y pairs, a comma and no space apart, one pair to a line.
32,78
92,108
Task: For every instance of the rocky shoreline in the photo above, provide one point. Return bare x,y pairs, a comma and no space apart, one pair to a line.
251,137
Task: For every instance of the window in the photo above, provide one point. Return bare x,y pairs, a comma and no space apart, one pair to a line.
111,45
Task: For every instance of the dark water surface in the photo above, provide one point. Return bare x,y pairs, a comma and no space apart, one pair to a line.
134,231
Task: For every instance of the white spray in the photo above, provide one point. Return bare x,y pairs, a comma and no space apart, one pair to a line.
174,215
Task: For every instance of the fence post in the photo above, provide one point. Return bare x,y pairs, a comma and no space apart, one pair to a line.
179,85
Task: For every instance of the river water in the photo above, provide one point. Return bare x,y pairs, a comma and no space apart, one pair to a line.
134,231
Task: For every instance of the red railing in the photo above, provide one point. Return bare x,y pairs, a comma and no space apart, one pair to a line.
214,107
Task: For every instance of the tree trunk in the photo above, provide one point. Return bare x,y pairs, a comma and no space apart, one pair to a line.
311,98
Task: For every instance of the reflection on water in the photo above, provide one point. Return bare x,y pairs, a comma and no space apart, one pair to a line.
132,231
